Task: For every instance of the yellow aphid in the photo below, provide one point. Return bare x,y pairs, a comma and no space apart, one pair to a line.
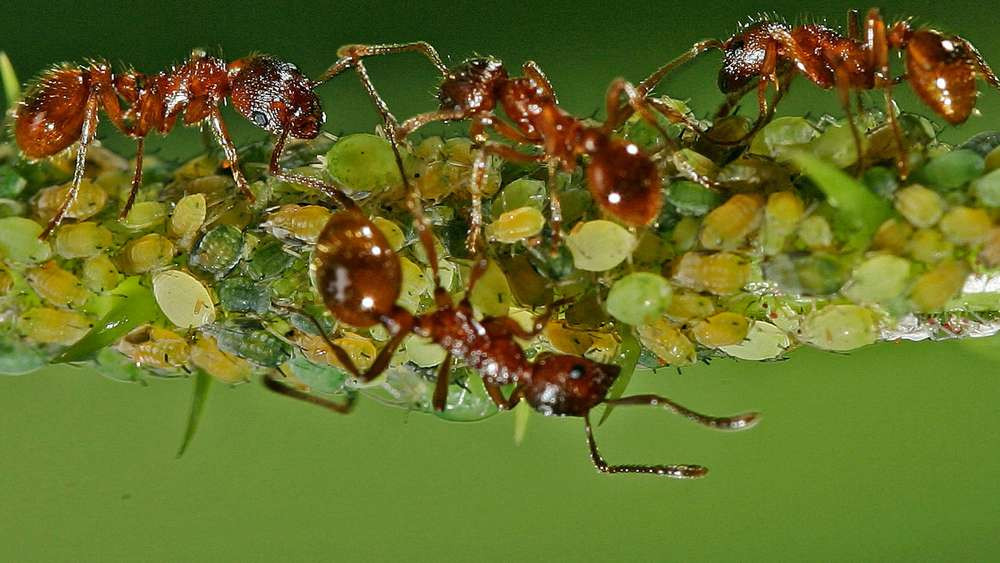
599,245
892,236
492,295
146,215
567,339
603,348
966,225
188,217
146,253
416,284
227,368
81,240
423,351
687,305
53,326
685,234
990,255
183,299
90,200
198,167
516,225
815,232
99,273
393,233
935,287
929,246
721,273
921,206
57,286
667,342
359,349
155,347
694,165
726,227
300,222
429,148
782,214
723,329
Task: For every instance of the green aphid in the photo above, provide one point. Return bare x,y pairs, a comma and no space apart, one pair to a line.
218,251
251,341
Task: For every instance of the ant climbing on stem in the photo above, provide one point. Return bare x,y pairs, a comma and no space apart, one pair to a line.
360,280
942,69
62,109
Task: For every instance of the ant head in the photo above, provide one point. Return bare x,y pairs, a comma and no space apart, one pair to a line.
357,271
744,54
275,96
472,85
564,385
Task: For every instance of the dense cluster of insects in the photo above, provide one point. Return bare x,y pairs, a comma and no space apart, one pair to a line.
691,254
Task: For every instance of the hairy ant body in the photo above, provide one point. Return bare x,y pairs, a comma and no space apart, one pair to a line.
62,109
359,278
623,180
942,69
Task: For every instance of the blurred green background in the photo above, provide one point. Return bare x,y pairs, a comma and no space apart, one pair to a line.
888,453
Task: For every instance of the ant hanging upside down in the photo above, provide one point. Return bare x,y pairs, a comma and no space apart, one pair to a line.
942,69
359,278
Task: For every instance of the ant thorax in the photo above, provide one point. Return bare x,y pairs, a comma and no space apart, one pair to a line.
487,346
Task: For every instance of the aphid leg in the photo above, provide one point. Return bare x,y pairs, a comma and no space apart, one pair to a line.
334,193
679,471
737,422
86,137
273,384
647,85
441,385
136,178
229,149
496,394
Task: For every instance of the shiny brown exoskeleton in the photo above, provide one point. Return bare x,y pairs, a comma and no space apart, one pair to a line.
62,108
942,69
359,278
624,181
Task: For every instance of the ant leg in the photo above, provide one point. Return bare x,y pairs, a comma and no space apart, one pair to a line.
647,85
897,132
679,471
136,179
440,398
737,422
88,130
555,206
980,63
273,384
349,54
496,395
400,326
534,72
854,24
416,122
641,106
222,137
843,86
876,44
334,193
538,324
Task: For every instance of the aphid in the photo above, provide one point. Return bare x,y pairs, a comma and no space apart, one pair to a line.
624,181
360,279
942,69
62,108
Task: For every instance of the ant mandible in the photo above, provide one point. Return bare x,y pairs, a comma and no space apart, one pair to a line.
359,278
942,69
62,108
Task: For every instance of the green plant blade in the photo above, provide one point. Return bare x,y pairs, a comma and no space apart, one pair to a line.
202,383
11,85
627,358
522,414
135,306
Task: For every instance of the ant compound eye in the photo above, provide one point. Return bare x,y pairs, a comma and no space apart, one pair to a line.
258,118
577,372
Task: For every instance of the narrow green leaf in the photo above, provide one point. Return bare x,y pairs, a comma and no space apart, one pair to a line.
522,414
626,359
134,306
860,210
11,86
202,383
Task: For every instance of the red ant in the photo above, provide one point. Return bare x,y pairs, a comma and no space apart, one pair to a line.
942,69
359,278
624,181
62,109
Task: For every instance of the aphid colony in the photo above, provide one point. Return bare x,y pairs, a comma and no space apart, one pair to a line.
339,267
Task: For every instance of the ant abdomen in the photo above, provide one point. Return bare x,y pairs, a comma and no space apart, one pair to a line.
941,73
275,96
625,182
357,272
50,118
